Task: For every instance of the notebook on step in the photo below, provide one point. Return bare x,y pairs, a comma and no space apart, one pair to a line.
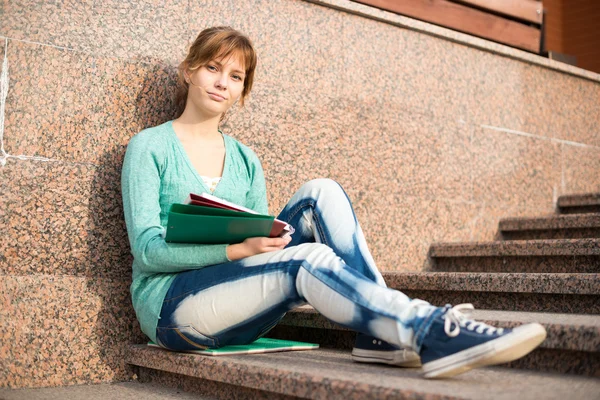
262,345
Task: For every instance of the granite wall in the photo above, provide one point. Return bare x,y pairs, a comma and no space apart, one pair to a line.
433,140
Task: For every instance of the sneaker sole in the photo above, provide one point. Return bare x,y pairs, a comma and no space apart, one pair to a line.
399,358
512,346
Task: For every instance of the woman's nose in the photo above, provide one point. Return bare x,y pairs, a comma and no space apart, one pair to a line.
221,82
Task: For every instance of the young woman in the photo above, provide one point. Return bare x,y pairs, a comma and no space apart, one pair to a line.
191,296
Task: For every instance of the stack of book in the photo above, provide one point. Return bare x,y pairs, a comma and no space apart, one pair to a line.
207,219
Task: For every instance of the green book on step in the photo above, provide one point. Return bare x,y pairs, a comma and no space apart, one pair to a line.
262,345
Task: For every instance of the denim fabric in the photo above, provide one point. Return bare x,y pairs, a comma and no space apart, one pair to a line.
327,265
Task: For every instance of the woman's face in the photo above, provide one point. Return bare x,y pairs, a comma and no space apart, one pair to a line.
215,86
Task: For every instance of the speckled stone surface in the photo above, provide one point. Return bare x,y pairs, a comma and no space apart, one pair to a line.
58,23
576,332
572,345
518,170
529,264
425,134
557,247
63,219
577,163
550,222
551,227
512,100
335,337
529,302
205,387
580,210
106,391
148,30
560,361
64,330
322,374
584,199
579,203
588,284
558,293
89,114
424,27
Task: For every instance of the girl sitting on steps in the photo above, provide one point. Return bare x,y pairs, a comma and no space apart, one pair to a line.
190,296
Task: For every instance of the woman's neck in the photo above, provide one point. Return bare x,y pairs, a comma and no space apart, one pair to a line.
197,127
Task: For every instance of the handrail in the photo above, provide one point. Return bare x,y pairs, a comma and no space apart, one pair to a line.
526,10
466,19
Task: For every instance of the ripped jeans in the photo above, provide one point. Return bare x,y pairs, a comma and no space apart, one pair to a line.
327,265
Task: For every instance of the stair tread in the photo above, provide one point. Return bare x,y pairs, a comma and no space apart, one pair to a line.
121,391
560,283
582,199
544,247
565,331
328,373
569,221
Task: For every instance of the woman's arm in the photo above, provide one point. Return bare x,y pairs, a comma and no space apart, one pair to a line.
140,185
257,195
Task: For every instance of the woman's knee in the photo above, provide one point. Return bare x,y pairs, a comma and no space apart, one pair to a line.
323,189
322,184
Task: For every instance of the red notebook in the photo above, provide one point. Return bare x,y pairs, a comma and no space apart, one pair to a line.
279,229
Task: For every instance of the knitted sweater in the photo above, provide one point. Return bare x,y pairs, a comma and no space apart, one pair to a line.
157,173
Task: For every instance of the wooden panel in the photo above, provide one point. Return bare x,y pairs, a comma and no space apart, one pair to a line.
465,19
522,9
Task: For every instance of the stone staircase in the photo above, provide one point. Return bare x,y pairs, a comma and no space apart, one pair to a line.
540,269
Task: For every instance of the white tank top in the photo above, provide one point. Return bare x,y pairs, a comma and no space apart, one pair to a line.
211,183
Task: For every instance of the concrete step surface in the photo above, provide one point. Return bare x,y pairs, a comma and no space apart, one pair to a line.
331,374
549,255
579,203
549,283
544,247
571,347
578,332
570,226
108,391
540,292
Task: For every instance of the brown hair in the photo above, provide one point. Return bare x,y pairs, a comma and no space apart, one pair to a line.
212,43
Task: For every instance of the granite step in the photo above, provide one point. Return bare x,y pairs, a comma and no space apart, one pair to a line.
579,203
535,292
572,345
123,391
331,374
572,226
547,255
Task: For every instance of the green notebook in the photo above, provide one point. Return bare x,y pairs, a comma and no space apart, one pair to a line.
262,345
207,225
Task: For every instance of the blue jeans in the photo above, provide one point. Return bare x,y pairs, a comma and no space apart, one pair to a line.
327,265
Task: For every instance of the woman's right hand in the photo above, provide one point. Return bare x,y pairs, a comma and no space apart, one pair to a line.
255,245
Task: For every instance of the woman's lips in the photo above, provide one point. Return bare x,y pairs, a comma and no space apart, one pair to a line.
216,97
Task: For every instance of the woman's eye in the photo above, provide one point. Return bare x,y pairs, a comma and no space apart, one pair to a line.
237,77
211,68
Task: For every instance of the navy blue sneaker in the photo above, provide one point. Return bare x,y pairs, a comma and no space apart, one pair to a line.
368,349
456,344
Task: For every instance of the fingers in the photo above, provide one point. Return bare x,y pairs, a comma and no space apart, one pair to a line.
266,244
275,244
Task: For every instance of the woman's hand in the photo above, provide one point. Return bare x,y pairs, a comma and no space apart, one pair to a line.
255,245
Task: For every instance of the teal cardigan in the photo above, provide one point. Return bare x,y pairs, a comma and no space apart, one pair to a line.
157,173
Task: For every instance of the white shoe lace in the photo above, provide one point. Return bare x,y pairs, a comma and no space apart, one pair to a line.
455,316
